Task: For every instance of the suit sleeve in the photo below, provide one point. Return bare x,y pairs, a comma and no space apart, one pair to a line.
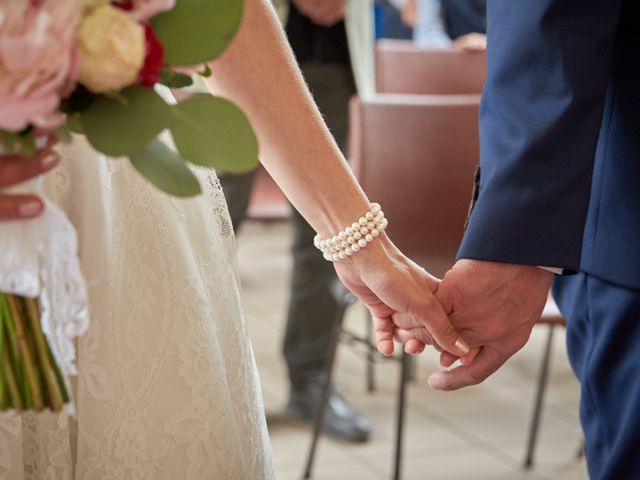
548,65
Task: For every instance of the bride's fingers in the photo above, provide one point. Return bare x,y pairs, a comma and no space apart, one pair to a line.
419,335
414,347
14,207
384,330
470,357
15,169
485,364
447,359
430,313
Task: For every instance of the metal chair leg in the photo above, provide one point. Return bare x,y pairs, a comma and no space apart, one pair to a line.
318,423
580,453
537,408
412,370
402,400
371,357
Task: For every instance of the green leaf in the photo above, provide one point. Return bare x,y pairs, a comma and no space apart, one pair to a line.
213,132
197,31
119,126
206,71
172,79
27,143
21,143
74,124
64,134
9,140
166,170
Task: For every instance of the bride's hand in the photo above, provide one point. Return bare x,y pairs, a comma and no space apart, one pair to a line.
399,294
15,169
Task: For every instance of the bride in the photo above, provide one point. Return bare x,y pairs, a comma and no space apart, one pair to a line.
167,385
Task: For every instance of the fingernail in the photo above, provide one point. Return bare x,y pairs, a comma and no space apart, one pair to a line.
462,346
48,161
29,209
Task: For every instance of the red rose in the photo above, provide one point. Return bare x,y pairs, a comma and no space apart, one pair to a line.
154,61
126,5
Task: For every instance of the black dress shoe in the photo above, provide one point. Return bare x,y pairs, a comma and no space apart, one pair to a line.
342,421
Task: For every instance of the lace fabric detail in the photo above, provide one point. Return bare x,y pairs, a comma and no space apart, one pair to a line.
39,258
167,385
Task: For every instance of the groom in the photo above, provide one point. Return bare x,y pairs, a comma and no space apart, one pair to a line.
559,187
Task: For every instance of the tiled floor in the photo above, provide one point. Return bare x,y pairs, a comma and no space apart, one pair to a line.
477,433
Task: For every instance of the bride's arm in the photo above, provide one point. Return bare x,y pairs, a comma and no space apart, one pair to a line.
259,73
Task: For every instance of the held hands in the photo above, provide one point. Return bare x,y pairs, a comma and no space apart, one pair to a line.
494,307
15,169
393,289
325,13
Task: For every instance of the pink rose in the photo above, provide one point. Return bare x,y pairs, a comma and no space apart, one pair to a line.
145,9
37,60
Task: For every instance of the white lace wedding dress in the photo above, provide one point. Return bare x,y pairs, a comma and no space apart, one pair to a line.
167,385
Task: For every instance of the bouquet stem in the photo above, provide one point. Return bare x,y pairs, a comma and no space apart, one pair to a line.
42,352
29,376
12,395
26,353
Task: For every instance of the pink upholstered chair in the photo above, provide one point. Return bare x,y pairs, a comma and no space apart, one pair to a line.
402,67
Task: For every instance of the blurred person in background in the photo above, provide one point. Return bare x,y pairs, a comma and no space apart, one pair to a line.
389,20
446,23
318,36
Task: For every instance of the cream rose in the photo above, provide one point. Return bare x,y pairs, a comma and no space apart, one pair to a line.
95,3
112,49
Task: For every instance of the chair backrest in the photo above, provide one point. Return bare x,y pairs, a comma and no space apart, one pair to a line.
416,155
402,67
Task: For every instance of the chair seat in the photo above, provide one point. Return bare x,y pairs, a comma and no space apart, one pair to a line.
403,67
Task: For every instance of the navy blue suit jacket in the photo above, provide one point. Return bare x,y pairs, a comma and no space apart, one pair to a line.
559,181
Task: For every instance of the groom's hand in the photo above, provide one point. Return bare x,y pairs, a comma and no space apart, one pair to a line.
399,293
15,169
493,306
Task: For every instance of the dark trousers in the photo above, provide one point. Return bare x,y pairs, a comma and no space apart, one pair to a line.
312,308
603,341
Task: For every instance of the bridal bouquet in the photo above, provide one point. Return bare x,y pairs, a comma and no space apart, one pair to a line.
96,68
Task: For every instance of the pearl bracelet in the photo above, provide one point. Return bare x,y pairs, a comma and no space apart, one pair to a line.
355,237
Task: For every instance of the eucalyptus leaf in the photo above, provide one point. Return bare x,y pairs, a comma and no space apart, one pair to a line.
172,79
197,31
213,132
9,141
206,71
74,124
63,133
27,144
166,169
124,124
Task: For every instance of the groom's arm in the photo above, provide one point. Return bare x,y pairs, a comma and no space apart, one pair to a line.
548,63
